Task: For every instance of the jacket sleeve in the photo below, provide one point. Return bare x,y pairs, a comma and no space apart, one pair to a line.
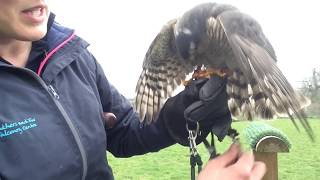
128,137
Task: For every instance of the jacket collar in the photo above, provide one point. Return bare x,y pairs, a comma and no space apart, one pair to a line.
69,51
62,56
4,64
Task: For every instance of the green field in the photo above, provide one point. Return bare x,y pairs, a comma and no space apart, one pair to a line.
302,163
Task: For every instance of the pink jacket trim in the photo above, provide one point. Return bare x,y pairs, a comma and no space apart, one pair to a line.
43,62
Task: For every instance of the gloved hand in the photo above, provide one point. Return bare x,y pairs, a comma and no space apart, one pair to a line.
203,101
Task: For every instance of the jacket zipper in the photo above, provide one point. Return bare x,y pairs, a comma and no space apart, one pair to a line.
54,93
73,130
55,97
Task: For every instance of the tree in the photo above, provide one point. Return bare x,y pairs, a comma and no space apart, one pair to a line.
311,89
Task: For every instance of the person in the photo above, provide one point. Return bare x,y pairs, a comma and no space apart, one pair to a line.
59,114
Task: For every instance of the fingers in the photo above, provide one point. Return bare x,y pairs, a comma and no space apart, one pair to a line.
245,162
233,164
258,171
247,168
110,119
230,156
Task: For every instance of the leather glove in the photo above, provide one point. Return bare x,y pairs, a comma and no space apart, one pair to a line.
203,101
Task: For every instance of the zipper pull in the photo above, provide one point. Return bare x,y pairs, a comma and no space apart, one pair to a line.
54,93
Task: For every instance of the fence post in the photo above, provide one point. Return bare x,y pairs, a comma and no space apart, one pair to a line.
266,142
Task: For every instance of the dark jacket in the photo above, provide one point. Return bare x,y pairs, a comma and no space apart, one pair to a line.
51,126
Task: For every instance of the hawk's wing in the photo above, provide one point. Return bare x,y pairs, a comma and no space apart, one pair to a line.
163,71
220,36
255,59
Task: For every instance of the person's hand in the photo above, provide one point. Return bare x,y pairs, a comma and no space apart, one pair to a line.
203,101
233,165
110,119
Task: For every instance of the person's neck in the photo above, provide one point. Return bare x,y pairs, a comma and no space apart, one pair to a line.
16,52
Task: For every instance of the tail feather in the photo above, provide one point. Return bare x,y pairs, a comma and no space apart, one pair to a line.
263,107
239,93
247,110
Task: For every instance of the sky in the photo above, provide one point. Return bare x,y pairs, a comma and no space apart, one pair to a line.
120,32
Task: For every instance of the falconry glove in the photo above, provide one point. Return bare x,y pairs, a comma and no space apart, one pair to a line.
203,101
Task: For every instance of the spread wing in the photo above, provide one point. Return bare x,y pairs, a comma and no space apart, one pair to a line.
219,36
255,61
162,72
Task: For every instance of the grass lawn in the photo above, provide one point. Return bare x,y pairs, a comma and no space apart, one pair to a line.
302,163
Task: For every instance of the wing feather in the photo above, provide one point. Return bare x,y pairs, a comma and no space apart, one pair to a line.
162,72
256,59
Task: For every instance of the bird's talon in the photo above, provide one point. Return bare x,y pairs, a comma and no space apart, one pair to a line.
207,73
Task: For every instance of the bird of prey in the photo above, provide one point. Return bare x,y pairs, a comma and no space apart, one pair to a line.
218,39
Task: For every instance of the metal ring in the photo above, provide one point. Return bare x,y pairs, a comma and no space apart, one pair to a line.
197,129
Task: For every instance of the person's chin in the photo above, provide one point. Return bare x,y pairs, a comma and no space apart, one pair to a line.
34,34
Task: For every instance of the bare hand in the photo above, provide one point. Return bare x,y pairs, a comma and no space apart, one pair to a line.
110,119
233,165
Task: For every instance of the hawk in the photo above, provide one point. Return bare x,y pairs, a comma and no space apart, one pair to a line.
218,39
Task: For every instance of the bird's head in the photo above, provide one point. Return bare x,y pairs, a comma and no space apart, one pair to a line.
190,29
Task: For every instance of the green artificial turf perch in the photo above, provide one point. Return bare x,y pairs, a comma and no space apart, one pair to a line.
256,131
